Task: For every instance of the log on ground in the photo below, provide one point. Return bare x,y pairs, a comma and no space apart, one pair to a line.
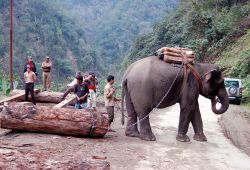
47,97
25,116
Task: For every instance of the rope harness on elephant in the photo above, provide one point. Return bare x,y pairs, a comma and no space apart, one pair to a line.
160,102
184,63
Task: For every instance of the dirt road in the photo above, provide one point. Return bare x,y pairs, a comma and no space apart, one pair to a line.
132,153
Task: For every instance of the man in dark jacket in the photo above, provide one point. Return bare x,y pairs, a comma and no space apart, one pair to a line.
31,64
81,90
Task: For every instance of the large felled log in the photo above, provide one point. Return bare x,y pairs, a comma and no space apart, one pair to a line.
23,116
49,97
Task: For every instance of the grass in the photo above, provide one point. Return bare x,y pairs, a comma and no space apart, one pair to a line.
237,52
235,59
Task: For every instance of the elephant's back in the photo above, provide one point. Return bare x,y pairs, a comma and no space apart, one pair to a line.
150,67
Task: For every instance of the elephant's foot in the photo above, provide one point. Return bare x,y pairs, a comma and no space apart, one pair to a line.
200,137
182,138
147,136
132,133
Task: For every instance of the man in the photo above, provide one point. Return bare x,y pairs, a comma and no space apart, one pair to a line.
71,86
30,78
81,90
92,82
110,99
31,64
46,67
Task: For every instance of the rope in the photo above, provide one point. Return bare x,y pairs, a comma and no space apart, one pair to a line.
93,124
166,94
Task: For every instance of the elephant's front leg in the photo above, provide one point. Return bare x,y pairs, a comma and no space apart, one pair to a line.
198,125
186,114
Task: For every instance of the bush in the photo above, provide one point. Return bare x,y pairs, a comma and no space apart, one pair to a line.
246,90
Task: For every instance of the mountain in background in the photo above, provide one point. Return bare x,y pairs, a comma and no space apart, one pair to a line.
218,31
85,35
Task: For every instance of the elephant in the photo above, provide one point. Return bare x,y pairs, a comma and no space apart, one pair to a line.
145,83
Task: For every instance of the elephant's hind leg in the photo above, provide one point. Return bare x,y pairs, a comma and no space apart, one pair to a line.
132,127
145,128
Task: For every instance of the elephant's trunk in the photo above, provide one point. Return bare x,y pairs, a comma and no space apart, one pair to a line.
223,97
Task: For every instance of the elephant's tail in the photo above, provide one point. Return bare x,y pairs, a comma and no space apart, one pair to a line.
124,88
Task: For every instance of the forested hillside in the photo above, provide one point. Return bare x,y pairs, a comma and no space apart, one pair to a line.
208,27
77,34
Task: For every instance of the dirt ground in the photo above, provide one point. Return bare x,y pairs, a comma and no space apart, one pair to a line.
24,150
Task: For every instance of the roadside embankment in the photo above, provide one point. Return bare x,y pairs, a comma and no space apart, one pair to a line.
236,126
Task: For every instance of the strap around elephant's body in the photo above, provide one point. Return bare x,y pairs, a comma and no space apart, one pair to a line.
196,75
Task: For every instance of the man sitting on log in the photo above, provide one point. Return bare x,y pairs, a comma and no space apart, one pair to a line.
81,90
29,78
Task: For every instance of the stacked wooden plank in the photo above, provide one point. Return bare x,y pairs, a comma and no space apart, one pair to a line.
176,55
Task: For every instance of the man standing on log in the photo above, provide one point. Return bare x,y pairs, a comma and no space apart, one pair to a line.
46,67
30,78
81,90
31,64
110,99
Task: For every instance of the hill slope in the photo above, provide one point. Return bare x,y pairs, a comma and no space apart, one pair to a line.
208,27
236,60
78,34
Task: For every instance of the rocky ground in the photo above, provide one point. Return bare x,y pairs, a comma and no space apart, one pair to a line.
24,150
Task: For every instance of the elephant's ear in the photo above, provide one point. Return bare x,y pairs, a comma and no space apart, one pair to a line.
214,76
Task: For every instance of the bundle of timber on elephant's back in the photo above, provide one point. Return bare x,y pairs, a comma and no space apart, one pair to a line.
25,116
176,55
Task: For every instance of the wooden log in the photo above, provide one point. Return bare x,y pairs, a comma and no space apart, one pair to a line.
17,95
46,119
46,97
49,97
65,102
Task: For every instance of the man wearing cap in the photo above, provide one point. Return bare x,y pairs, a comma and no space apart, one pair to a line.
31,64
29,78
46,67
81,90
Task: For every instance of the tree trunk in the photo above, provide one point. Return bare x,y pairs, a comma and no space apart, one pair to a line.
24,116
49,97
45,97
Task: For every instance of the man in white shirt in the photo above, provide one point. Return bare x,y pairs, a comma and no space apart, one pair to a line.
29,78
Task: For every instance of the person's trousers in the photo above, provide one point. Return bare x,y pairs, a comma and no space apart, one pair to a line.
80,105
92,99
46,80
29,88
111,112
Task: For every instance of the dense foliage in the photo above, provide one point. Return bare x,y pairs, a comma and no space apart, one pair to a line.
85,35
208,27
236,61
204,26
